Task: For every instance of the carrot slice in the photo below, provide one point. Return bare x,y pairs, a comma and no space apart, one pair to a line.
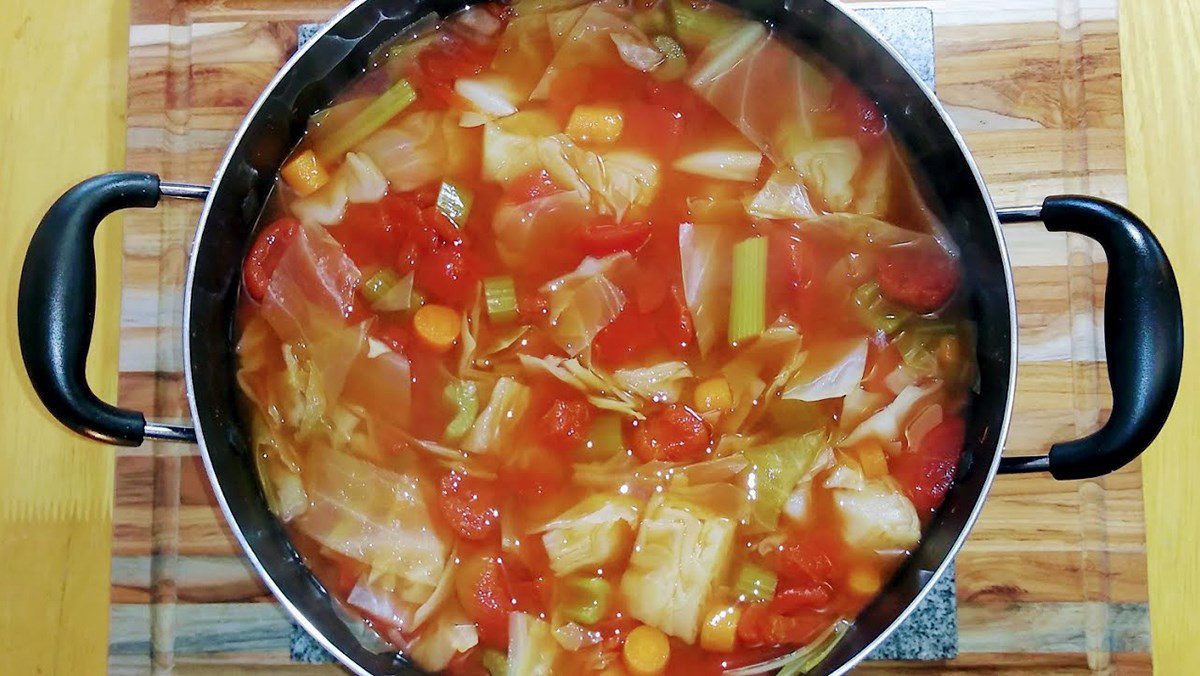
437,326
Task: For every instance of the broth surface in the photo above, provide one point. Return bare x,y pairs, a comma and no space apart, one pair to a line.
603,338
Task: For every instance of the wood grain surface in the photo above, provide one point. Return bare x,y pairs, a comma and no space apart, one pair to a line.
1160,58
61,120
1054,576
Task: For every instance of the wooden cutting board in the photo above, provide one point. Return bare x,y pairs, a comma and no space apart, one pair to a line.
1053,578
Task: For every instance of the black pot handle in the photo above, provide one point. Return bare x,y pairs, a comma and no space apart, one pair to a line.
1143,336
56,306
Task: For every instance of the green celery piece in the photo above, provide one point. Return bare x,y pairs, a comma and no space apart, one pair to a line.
585,599
495,662
463,396
378,113
500,296
695,27
876,312
378,284
748,303
755,583
676,64
796,417
606,438
454,201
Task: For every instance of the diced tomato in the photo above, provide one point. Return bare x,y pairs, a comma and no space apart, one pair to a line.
426,196
368,234
869,123
919,277
926,473
760,626
565,425
448,275
532,306
673,433
485,596
600,238
444,227
470,505
803,595
624,339
264,255
498,10
448,58
810,557
653,127
531,186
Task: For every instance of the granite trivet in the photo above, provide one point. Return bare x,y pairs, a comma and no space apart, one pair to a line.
931,632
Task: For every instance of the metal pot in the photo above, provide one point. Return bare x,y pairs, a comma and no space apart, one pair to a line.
1143,318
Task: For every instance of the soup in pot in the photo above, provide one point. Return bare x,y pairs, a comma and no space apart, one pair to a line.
603,338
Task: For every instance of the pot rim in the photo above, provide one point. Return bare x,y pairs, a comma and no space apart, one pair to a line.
299,617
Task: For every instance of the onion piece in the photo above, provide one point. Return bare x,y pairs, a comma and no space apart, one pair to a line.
637,54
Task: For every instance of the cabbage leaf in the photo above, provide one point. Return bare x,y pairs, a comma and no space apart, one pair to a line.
593,533
450,633
532,650
878,516
659,382
706,266
887,425
775,470
423,147
838,380
585,301
357,181
508,403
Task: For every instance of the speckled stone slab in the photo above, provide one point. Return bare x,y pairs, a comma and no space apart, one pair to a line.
931,632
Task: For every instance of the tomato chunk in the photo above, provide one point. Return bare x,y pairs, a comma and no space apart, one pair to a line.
601,238
565,425
674,433
809,558
760,626
531,186
919,277
800,596
265,254
368,235
483,591
926,473
448,275
471,506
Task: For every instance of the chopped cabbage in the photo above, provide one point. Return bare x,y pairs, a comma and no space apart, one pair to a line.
828,167
601,390
532,649
636,51
727,51
680,554
573,637
836,381
776,352
846,474
522,229
730,164
585,301
423,147
375,516
437,599
377,599
587,44
383,382
451,633
875,188
489,95
858,405
783,196
312,290
358,180
591,534
775,470
523,53
508,402
887,425
705,262
878,516
510,145
660,382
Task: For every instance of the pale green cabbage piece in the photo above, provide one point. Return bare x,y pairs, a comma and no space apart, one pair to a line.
681,552
421,147
532,649
878,517
783,196
828,167
775,470
705,262
450,633
358,180
507,404
658,382
584,301
591,534
838,380
375,516
887,425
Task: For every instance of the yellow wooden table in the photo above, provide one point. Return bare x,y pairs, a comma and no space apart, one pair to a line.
63,70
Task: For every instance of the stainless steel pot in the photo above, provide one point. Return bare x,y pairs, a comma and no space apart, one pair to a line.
1143,318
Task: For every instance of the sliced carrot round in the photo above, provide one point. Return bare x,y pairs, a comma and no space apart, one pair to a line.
437,326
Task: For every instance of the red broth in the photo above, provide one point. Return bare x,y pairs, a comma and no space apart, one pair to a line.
599,338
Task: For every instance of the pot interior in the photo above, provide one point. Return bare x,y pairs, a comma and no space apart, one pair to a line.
312,80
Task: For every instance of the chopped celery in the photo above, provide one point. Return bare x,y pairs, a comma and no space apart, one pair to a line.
605,438
795,416
378,113
378,285
463,397
495,662
584,599
653,20
747,307
500,294
876,312
755,583
388,293
676,63
454,201
696,27
918,344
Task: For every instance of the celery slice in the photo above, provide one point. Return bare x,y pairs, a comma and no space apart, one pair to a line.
378,285
500,295
378,113
495,662
748,306
876,312
605,438
463,397
387,292
585,599
454,201
755,583
695,27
